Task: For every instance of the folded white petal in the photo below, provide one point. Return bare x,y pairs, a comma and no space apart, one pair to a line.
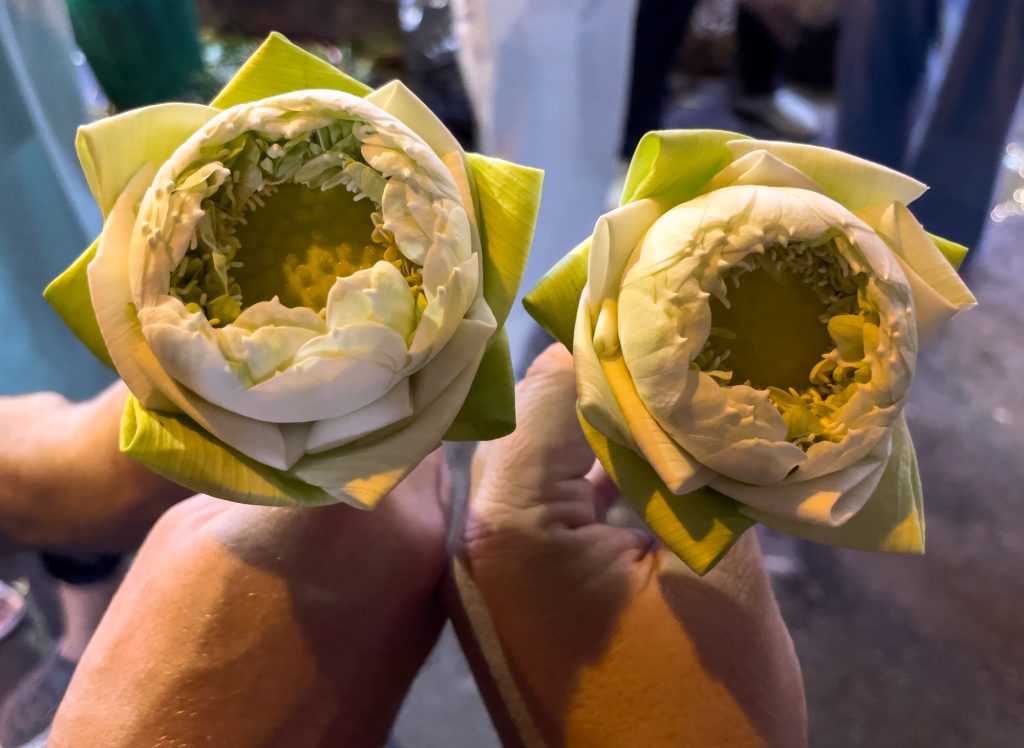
112,300
391,408
274,313
939,292
828,457
595,397
680,471
398,153
615,237
892,519
362,473
851,181
764,169
468,341
396,99
378,294
366,356
442,314
759,462
401,204
828,500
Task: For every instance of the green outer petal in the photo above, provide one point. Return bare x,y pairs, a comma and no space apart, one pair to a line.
555,299
489,411
657,170
112,150
673,165
953,252
278,67
68,294
853,182
508,198
699,527
176,448
891,520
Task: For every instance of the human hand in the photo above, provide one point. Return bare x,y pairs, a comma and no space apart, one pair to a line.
256,626
609,638
65,485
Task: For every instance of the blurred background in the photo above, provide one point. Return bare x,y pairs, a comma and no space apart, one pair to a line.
896,651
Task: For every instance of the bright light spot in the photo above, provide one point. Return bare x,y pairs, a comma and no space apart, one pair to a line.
1002,415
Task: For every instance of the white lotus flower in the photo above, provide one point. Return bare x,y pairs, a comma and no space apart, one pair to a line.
301,276
749,327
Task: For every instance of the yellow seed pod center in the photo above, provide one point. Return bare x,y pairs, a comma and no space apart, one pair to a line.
300,241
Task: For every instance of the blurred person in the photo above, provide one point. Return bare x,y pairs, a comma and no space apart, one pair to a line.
606,637
764,28
881,73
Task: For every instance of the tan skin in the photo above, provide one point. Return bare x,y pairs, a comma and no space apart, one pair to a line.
255,626
612,641
66,485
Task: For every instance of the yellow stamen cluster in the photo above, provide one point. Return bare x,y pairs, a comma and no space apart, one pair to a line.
810,411
308,260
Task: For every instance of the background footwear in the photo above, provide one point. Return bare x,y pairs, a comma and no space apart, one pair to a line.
785,112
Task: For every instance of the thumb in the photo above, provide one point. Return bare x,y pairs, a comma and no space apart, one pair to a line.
541,466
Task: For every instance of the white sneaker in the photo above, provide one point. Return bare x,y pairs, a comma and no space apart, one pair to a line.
785,111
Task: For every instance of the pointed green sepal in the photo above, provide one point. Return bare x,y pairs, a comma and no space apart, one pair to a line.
508,198
168,444
672,165
699,527
952,251
489,411
853,182
555,299
279,67
112,150
68,294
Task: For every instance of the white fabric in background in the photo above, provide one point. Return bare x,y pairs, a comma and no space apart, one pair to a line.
548,81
